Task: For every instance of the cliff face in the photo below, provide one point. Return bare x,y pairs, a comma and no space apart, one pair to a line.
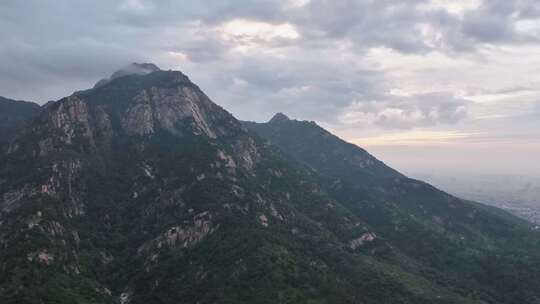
142,190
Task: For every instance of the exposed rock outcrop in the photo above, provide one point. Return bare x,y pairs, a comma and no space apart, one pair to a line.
364,238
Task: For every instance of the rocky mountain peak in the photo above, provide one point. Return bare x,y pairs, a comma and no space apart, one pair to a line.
149,105
131,69
279,117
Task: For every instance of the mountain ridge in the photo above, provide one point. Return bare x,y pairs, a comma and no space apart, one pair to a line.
393,204
13,114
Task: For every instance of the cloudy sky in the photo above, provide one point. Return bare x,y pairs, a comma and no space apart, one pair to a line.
426,85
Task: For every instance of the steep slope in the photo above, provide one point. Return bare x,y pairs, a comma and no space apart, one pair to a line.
142,190
13,114
452,240
315,146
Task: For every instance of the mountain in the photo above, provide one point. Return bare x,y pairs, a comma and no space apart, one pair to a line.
13,113
307,142
142,190
456,239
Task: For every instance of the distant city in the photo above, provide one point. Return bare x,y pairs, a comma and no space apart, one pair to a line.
518,194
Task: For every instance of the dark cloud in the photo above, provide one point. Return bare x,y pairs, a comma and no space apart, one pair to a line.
397,24
257,87
367,23
50,49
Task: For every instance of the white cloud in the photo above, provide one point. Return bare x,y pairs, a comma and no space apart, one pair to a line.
457,7
528,27
245,31
135,6
297,3
406,112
